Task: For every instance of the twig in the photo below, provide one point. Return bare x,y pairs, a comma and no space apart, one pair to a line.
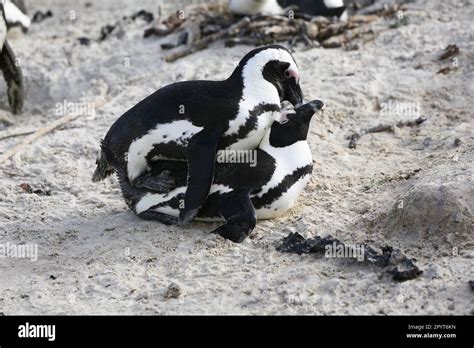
383,128
40,132
16,135
201,44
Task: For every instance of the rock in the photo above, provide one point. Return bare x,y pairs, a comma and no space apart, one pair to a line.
173,291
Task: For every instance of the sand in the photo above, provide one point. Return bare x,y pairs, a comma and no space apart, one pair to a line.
412,189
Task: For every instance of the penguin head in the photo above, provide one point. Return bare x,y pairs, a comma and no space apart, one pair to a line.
294,126
271,67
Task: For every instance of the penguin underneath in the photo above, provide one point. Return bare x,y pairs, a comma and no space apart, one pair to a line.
190,121
326,8
241,193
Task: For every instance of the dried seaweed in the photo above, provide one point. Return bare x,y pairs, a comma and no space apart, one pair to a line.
392,260
207,23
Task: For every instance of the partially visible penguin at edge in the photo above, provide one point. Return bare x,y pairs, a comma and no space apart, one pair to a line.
326,8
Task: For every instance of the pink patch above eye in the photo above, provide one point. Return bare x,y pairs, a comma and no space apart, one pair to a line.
293,73
284,117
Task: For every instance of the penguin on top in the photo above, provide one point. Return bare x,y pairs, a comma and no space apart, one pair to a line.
326,8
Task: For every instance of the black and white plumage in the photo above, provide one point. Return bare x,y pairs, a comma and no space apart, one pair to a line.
241,193
15,14
8,64
327,8
190,121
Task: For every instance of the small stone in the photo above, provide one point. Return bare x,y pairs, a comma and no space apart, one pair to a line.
173,291
457,142
433,271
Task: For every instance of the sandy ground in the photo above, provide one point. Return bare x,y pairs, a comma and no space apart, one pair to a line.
412,189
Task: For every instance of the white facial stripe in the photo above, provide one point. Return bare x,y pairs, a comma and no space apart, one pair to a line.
14,15
162,134
257,90
333,3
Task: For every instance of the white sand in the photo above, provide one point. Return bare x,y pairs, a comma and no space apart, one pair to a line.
104,260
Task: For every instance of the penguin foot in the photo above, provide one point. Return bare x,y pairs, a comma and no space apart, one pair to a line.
186,217
239,214
16,97
235,232
162,183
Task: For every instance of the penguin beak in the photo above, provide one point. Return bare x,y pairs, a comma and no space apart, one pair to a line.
293,93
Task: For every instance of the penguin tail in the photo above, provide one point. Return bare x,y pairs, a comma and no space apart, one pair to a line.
104,167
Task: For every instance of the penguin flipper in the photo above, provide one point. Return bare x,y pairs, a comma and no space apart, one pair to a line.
201,156
156,216
13,77
161,183
240,217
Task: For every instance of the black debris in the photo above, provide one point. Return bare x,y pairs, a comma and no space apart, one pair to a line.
41,16
182,40
40,192
105,31
145,15
471,284
84,41
449,52
392,260
353,140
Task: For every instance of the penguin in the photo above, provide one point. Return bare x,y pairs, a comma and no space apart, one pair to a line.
8,63
15,15
327,8
190,121
241,193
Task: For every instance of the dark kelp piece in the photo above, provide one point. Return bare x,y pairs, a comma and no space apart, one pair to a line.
393,260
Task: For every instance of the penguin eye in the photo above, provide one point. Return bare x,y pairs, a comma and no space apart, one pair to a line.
287,74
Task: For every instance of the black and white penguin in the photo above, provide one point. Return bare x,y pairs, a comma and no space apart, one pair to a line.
191,120
8,64
327,8
241,193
